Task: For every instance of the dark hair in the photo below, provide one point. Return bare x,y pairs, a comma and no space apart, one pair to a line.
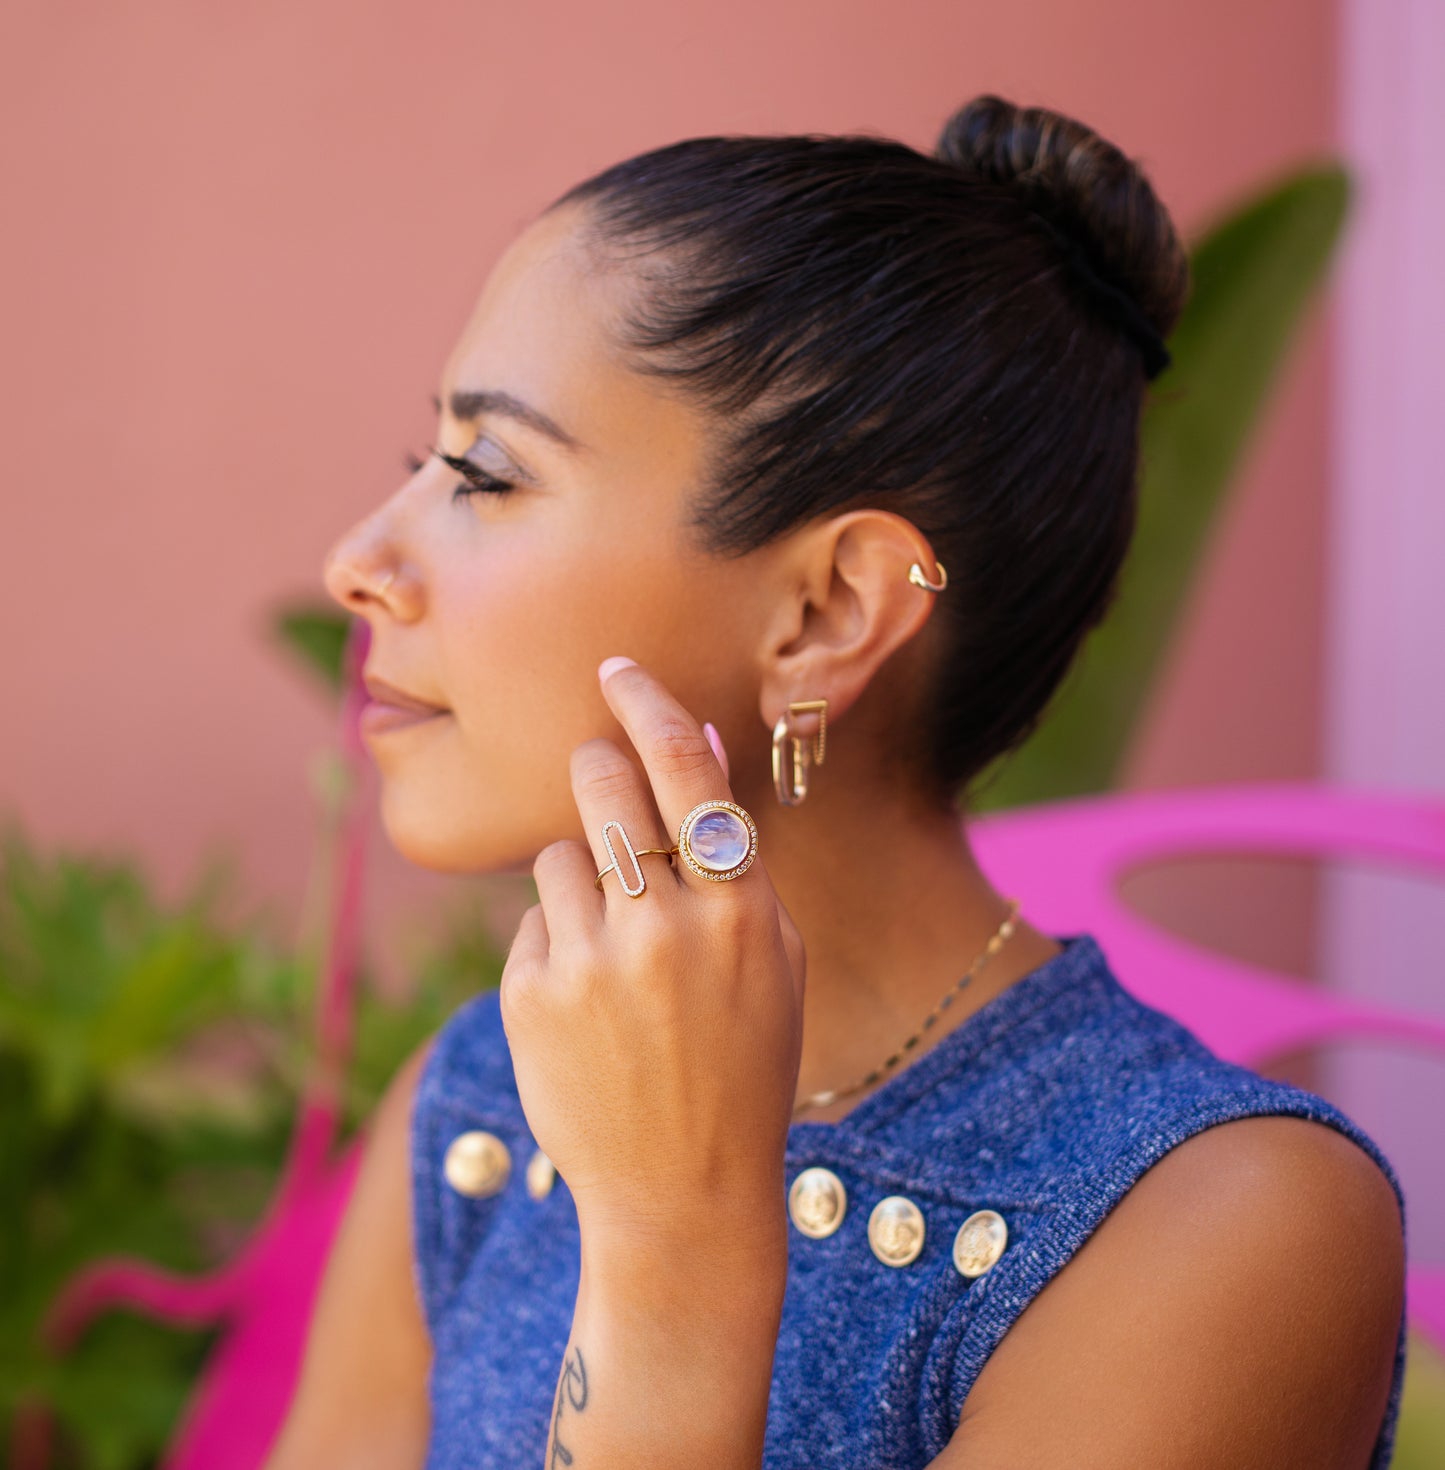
874,325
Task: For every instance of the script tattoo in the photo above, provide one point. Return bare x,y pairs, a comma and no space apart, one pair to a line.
571,1386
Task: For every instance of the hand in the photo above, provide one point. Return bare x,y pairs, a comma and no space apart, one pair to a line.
655,1040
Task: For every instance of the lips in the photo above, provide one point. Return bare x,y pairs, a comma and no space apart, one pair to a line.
387,693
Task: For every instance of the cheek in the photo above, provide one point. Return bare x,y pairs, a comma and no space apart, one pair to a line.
486,792
521,634
538,617
518,633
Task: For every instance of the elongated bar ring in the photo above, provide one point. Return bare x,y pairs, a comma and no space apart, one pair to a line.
633,853
718,840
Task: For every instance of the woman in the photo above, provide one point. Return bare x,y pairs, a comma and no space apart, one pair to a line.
777,483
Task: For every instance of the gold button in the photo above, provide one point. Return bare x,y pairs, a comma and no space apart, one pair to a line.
817,1202
979,1242
477,1163
541,1175
895,1230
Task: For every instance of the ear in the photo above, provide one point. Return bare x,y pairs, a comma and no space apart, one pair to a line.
852,607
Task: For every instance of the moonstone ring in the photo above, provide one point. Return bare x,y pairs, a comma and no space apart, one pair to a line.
718,840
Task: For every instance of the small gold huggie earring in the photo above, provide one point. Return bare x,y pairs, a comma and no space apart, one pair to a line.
915,575
791,794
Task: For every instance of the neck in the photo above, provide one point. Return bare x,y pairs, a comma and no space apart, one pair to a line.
893,910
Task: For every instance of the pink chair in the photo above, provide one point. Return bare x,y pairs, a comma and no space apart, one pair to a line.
1244,1013
264,1297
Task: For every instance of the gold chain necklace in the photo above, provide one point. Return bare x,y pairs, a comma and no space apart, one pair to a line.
996,943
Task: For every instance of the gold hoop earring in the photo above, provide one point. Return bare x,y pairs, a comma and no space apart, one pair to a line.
792,792
915,575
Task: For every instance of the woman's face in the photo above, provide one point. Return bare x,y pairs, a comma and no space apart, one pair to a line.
501,604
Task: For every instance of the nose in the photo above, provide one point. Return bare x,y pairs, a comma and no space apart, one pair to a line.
374,562
359,580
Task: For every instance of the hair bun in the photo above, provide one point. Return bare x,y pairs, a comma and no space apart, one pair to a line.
1086,187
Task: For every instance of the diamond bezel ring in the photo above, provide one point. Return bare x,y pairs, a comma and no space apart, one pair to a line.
684,847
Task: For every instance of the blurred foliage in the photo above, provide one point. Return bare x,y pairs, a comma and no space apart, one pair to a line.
316,636
1420,1441
151,1063
1255,274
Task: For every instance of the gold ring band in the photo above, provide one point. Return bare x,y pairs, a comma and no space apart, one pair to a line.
613,868
634,853
718,840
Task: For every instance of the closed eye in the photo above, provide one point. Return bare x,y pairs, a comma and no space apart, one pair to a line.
474,476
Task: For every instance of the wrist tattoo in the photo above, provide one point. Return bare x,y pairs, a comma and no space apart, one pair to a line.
571,1388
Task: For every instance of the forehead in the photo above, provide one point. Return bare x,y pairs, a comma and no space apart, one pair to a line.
544,331
546,274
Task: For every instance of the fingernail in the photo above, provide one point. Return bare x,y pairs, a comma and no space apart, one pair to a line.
610,666
715,740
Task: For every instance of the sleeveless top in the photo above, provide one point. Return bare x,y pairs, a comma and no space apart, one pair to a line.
1043,1106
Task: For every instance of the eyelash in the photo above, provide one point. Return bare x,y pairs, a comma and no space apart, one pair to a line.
477,478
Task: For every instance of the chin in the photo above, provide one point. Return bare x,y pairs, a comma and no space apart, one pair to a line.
444,838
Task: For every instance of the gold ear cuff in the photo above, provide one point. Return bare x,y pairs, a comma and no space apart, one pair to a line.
915,575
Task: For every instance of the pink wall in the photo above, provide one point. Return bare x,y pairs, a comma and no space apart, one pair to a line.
246,236
1385,712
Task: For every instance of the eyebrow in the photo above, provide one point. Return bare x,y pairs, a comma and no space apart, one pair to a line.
467,404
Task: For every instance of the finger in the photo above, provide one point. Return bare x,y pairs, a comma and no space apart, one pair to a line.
524,976
531,943
563,872
525,969
618,813
682,767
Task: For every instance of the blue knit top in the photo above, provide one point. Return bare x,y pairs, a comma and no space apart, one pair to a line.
1043,1106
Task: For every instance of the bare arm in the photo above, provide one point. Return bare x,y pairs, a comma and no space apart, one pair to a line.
1238,1307
670,1357
360,1400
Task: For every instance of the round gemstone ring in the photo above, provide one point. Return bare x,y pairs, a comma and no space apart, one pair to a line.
718,840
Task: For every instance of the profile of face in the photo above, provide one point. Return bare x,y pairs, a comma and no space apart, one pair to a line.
500,603
497,604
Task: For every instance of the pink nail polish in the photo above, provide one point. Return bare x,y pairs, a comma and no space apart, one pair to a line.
715,740
610,666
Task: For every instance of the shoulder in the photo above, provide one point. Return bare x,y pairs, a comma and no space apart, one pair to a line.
1240,1304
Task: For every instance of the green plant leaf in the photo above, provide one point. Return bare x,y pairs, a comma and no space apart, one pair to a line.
316,637
151,1061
